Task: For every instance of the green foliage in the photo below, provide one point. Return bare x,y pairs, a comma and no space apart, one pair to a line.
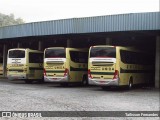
6,20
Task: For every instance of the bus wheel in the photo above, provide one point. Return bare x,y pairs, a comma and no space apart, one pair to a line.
85,80
28,81
130,85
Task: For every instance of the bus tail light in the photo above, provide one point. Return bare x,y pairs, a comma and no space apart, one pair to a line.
44,72
89,74
65,72
116,74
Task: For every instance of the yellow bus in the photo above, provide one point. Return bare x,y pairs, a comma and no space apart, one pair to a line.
118,66
25,64
1,65
65,65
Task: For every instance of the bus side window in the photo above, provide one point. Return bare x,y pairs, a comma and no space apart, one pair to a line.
35,57
80,57
1,59
74,56
124,56
83,57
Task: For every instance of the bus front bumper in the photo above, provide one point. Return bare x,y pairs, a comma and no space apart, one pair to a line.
55,79
104,82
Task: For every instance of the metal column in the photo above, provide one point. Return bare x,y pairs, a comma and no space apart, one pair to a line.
69,43
108,41
19,45
4,59
40,45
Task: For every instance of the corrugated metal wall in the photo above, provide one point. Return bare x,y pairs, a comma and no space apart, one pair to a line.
110,23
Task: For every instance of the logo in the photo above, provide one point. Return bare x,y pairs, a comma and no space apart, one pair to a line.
21,114
16,60
6,114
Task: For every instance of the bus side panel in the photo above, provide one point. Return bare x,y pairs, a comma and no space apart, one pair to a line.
73,72
127,73
77,69
1,69
70,65
124,75
118,65
35,69
137,72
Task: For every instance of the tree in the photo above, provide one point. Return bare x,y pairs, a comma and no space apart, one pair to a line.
6,20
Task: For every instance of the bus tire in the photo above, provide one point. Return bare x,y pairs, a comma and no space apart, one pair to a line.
130,84
28,81
85,80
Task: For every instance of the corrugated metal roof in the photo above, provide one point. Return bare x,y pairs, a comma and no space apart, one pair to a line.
110,23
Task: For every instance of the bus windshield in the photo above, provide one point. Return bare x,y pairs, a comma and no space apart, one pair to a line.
103,52
17,54
1,59
55,53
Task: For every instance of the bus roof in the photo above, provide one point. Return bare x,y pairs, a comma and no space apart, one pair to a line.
25,49
129,48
